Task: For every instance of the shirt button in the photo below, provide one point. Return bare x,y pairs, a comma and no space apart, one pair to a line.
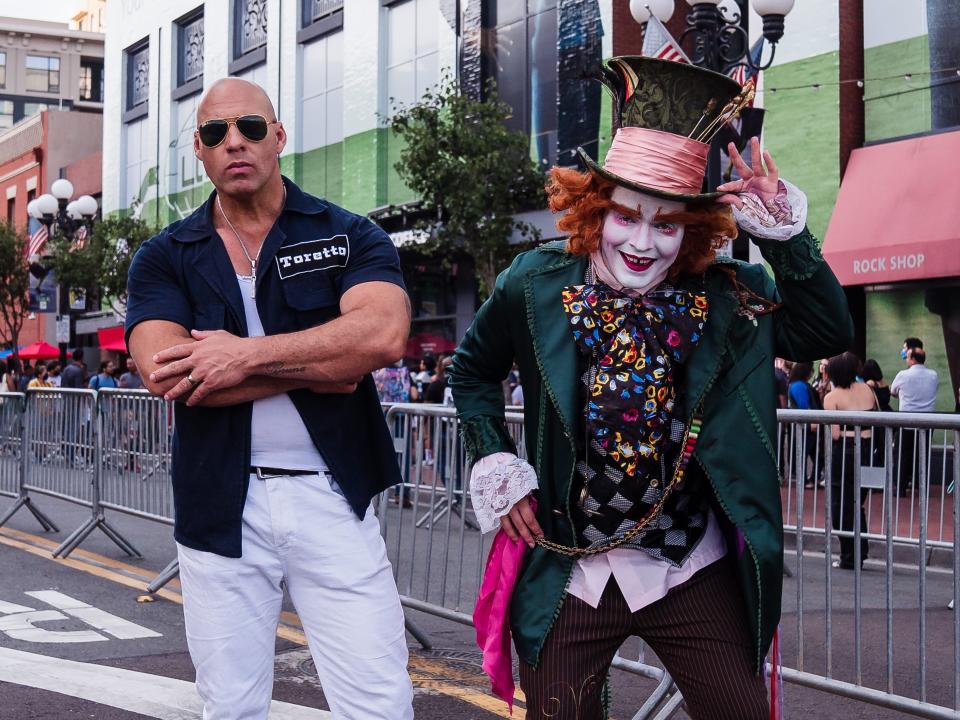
654,484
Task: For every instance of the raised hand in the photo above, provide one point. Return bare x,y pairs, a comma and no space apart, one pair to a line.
755,179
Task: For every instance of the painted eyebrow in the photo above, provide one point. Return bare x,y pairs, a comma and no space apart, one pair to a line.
635,213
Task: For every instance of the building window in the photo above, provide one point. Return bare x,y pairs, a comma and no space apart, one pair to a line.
31,108
6,113
412,57
11,209
138,76
3,69
322,92
250,26
190,50
523,61
43,73
91,80
314,10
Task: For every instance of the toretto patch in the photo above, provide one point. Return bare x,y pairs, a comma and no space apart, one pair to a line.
313,255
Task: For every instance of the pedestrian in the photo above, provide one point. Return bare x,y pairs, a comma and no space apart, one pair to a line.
423,377
53,373
11,375
74,374
801,396
131,379
638,346
873,376
393,383
39,379
262,315
26,375
916,390
781,374
851,395
104,378
436,391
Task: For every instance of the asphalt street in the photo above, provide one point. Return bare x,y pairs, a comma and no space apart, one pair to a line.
75,642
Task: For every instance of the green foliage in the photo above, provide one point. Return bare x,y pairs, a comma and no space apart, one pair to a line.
472,173
100,266
14,283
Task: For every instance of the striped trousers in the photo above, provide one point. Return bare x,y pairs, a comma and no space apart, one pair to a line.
699,630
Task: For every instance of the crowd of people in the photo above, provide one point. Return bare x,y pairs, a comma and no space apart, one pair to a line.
846,383
19,377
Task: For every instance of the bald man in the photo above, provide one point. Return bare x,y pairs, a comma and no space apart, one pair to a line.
262,315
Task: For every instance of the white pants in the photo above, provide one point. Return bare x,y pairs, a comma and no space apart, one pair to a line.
335,567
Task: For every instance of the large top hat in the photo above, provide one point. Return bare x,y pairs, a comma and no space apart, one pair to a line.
668,112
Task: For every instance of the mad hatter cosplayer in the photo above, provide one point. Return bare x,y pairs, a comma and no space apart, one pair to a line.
649,497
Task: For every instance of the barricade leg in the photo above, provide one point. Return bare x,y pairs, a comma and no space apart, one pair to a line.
165,576
25,501
417,633
659,694
670,709
82,532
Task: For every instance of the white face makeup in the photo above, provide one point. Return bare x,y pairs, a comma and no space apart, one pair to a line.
638,252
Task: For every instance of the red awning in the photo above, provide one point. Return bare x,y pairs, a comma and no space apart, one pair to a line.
39,351
112,339
897,216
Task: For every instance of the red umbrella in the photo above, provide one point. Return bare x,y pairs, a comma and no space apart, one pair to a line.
39,351
425,342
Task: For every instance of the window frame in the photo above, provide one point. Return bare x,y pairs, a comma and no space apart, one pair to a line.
135,112
186,88
55,90
242,61
96,80
312,28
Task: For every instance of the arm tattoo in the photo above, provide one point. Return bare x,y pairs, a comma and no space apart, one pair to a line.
278,368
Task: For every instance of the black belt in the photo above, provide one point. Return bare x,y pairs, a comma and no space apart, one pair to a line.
269,472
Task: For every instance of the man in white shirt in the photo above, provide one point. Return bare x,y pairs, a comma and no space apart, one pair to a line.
916,389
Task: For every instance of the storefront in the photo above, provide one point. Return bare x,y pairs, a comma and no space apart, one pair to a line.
895,237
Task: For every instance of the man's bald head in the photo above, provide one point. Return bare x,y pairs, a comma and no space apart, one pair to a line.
230,97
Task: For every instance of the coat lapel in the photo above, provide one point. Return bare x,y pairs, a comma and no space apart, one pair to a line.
555,351
706,358
214,266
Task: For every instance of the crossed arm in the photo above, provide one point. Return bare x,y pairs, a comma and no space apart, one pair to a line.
370,333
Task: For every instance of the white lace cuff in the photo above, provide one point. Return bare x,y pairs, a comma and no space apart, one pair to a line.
757,220
497,483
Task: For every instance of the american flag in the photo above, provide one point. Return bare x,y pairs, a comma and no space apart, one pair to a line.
659,43
80,239
37,241
742,72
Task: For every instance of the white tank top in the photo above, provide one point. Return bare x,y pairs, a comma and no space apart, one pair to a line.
279,439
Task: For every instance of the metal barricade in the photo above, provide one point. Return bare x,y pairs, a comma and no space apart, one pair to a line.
877,485
137,441
14,459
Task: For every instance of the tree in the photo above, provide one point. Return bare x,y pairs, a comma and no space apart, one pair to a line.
472,173
14,284
100,266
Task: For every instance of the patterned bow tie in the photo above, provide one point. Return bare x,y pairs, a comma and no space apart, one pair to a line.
635,342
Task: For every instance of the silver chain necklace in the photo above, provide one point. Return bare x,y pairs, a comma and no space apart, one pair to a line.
251,260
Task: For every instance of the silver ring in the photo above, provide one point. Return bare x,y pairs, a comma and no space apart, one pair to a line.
192,381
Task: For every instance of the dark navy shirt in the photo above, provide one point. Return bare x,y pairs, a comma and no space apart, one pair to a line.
314,253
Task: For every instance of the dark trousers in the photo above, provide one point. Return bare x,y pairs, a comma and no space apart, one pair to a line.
843,504
699,631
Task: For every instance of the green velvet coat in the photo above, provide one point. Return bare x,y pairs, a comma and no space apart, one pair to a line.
730,371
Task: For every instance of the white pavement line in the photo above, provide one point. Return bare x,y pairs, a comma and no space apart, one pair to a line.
7,608
95,617
21,627
152,695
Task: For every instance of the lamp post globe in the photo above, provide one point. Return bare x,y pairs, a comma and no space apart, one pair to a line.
641,10
32,210
86,205
73,212
47,204
62,189
773,13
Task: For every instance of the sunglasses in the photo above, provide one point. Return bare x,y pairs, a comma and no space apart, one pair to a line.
252,127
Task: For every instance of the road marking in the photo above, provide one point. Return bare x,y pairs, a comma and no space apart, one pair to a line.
95,617
125,574
21,627
155,696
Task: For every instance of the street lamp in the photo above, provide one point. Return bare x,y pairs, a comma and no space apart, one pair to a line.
719,41
63,218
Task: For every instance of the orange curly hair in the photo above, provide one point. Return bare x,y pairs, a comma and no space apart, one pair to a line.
584,198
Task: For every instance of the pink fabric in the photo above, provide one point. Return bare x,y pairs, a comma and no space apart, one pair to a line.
658,160
491,617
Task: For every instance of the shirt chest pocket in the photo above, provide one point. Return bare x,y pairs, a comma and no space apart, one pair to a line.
311,301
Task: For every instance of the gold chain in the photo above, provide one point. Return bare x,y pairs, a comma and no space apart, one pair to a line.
686,450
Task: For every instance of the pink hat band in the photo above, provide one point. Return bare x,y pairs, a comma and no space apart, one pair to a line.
658,160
